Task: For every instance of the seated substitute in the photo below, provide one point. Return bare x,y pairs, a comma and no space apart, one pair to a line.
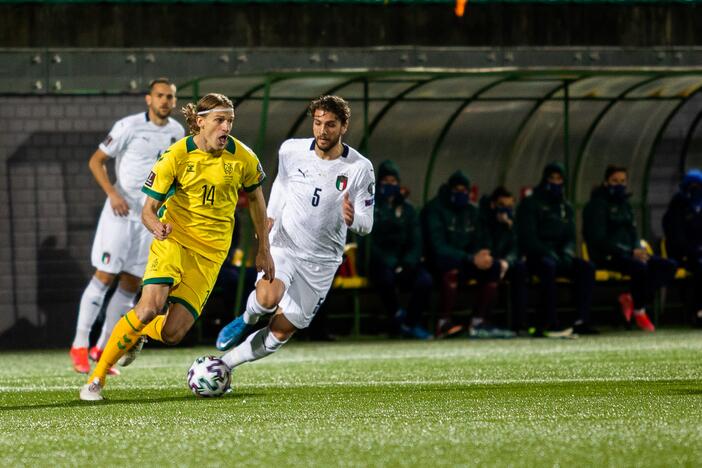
497,214
457,251
546,233
396,251
682,225
609,229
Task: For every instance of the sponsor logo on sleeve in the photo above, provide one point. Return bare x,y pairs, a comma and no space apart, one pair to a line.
150,180
369,202
371,189
107,140
261,174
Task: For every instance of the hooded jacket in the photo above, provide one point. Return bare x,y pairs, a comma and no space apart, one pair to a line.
396,239
682,225
609,226
500,238
451,232
546,224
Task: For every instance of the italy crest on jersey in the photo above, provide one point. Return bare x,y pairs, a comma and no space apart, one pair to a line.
341,182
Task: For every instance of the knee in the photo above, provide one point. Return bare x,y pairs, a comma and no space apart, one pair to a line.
423,280
172,337
546,267
129,283
281,336
450,278
267,298
146,311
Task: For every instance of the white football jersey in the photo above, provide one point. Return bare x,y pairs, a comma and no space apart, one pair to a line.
307,198
136,143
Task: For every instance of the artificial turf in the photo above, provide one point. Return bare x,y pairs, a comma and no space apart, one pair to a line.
620,399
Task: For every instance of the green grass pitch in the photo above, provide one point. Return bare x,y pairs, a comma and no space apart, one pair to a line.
621,399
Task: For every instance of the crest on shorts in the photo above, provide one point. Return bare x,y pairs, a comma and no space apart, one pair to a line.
106,258
341,182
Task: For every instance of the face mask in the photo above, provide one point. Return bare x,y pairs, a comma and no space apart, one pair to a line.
459,199
386,191
617,191
695,196
555,189
504,210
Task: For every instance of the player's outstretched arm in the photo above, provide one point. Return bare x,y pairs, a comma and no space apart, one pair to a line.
257,208
150,219
97,165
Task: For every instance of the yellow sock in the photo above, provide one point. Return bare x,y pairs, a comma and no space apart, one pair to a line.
153,329
124,336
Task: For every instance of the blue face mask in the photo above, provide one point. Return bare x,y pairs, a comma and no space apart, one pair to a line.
556,190
459,199
507,211
617,191
386,191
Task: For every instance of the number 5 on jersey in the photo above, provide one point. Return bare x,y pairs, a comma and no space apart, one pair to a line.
315,197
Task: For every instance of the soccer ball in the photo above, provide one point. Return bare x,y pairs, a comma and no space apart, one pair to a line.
209,376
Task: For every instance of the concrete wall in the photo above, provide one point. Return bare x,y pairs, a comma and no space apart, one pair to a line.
344,25
49,206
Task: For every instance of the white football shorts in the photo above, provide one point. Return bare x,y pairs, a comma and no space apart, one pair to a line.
121,244
306,285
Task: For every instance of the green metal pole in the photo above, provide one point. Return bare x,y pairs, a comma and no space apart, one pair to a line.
566,132
260,142
245,247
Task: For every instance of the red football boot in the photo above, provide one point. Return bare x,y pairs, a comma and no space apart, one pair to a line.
643,322
79,356
627,304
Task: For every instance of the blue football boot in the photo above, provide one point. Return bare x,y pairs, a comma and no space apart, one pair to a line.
233,333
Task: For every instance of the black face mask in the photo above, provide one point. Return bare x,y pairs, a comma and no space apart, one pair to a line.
617,191
386,191
556,190
459,199
694,194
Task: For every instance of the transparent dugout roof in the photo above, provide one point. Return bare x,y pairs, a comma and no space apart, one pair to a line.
498,127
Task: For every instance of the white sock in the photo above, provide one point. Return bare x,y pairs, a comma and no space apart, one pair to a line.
254,310
119,304
639,311
257,345
90,305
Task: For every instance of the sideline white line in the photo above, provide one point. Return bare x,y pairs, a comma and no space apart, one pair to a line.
372,383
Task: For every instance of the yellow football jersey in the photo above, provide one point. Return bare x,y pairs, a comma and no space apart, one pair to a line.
200,191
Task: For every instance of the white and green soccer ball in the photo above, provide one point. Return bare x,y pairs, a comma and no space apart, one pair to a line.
209,376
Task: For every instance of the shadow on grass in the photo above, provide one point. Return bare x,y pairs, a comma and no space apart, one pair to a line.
123,402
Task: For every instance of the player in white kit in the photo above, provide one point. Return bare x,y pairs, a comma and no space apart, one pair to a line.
121,245
323,188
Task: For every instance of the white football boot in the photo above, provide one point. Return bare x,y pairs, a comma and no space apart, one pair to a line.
91,391
133,352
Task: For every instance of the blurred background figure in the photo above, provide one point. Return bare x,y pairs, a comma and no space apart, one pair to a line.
546,231
497,217
613,243
682,226
396,252
458,252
